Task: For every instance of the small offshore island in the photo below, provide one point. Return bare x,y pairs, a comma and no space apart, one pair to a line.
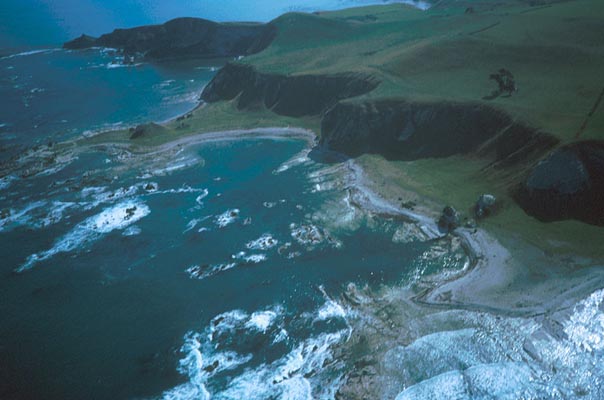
490,110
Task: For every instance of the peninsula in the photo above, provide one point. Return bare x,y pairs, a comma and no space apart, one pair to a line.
414,94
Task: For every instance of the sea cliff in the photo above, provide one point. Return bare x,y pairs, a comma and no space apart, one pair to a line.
184,38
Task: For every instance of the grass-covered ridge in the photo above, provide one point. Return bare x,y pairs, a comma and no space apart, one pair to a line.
447,53
442,56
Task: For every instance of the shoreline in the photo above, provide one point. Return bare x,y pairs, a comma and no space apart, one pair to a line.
496,280
491,281
488,283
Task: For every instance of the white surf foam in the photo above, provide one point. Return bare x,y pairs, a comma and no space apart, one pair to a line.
330,310
29,53
113,65
55,214
19,217
184,189
264,242
206,271
132,231
261,320
249,259
203,195
178,164
269,204
227,217
193,224
310,236
295,375
117,217
298,159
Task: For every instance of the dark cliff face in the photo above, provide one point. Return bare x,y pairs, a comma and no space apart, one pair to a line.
568,183
184,38
400,130
294,96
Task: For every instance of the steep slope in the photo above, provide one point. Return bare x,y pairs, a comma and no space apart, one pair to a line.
568,183
296,96
402,130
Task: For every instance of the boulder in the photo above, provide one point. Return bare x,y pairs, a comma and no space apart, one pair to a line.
567,184
449,220
485,205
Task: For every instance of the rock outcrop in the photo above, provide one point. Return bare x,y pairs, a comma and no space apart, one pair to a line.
184,38
295,96
147,131
82,42
449,219
485,205
402,130
568,183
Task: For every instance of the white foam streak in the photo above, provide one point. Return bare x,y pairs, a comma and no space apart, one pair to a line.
115,218
250,259
203,195
206,271
227,217
330,310
193,223
29,53
264,242
19,217
261,320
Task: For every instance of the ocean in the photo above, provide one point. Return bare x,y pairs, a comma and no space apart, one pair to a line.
215,270
245,239
53,94
194,274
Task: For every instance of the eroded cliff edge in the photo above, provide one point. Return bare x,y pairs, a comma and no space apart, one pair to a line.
540,172
568,183
296,96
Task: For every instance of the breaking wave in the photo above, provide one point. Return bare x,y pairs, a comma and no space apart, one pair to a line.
117,217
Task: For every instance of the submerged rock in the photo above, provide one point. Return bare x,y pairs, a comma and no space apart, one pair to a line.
5,213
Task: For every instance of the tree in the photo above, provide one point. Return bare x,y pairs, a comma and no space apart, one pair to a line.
505,81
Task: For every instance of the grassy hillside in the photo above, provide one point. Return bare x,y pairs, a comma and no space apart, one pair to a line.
555,49
556,53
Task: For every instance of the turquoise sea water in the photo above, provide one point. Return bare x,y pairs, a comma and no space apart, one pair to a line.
52,95
105,306
216,270
116,267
